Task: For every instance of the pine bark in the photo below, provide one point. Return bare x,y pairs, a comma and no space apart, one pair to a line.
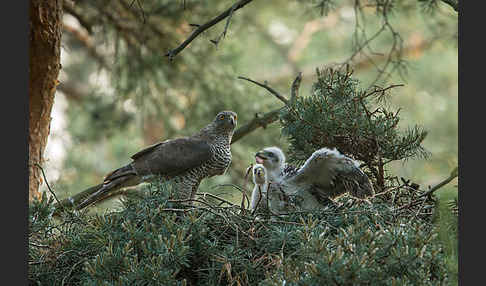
45,24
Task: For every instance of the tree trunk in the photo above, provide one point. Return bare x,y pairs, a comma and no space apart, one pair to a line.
44,65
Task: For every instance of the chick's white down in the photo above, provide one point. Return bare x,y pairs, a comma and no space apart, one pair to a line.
260,180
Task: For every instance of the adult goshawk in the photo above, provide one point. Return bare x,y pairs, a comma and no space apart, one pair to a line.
186,161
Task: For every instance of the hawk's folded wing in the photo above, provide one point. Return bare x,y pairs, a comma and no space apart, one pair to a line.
171,157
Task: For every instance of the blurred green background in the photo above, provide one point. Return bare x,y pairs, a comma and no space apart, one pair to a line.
119,93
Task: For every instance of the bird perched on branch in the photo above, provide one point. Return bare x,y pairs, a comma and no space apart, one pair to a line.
185,161
326,174
273,159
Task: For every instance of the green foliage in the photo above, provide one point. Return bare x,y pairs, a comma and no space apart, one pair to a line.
153,240
339,114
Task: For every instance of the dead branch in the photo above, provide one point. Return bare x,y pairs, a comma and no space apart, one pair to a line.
47,183
454,174
270,117
204,195
223,34
451,177
265,86
240,4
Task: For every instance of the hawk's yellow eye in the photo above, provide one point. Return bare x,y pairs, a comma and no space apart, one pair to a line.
221,117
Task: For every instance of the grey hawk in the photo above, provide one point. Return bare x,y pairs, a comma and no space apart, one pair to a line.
185,161
326,174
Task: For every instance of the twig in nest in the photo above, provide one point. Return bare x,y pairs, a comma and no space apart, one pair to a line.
215,197
248,170
234,186
451,177
258,202
39,245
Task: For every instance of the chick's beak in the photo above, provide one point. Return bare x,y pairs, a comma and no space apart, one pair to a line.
260,157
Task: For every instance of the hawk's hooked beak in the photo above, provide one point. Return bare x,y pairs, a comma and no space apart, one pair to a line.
233,120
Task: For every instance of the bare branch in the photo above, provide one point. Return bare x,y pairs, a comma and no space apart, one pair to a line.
47,183
203,195
265,86
240,4
381,90
451,177
257,122
272,116
454,174
223,34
